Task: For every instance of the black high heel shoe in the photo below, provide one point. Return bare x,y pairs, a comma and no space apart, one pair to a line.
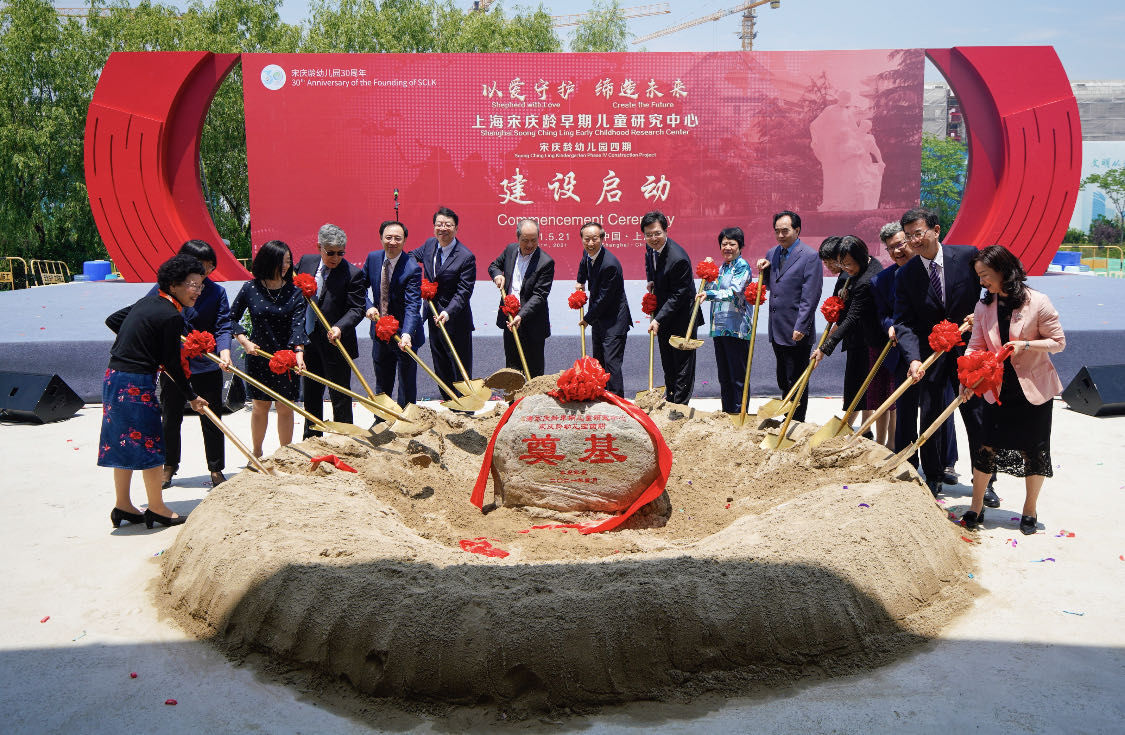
117,515
151,518
972,520
1027,525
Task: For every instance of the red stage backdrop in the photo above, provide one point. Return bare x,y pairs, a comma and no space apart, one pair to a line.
713,140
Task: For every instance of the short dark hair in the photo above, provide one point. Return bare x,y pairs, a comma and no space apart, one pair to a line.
390,222
200,250
732,233
175,270
913,215
654,216
269,259
793,218
855,247
591,223
445,212
1004,262
830,248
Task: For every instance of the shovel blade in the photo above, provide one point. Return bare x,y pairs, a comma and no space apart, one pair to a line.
339,427
473,390
776,441
834,428
472,404
685,343
773,407
655,394
739,420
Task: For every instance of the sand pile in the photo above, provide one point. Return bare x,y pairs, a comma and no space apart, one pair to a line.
772,565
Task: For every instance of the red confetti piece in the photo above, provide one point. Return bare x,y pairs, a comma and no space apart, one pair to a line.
132,674
45,619
728,505
966,539
483,548
170,701
333,460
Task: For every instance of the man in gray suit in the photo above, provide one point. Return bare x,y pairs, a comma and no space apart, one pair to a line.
794,279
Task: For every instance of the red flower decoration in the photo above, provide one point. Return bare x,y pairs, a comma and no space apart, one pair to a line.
708,270
753,295
197,343
577,299
135,435
149,444
511,305
386,328
985,367
133,390
429,289
945,336
586,381
831,309
282,361
306,283
146,397
648,304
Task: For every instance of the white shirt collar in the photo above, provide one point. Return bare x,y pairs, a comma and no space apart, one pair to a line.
937,259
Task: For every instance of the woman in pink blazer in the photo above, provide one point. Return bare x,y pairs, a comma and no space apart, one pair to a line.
1017,423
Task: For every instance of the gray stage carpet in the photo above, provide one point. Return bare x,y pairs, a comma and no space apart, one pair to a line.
60,329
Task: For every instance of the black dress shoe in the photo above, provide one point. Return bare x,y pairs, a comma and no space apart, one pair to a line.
217,478
971,520
935,487
117,515
948,476
151,518
1027,525
991,499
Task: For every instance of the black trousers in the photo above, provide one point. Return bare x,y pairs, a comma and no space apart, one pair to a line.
609,350
791,362
730,358
533,346
679,369
933,396
906,423
444,365
209,385
395,361
327,363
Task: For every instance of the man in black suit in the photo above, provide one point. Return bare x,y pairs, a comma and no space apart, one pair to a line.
938,283
524,269
446,261
670,277
607,311
340,288
396,284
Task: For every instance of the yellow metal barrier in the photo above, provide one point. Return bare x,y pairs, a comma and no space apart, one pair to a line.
9,276
50,271
1097,264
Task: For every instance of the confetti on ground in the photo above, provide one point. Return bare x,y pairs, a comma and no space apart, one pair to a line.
45,619
80,635
941,500
970,575
845,487
1064,534
966,539
1036,561
132,674
159,552
1069,612
728,505
483,548
1014,518
170,702
864,505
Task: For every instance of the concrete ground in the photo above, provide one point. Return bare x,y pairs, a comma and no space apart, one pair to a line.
1042,652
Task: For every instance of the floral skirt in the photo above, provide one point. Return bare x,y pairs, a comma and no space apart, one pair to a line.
131,436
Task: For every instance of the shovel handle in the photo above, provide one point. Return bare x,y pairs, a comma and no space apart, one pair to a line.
440,383
449,342
847,420
343,350
750,354
516,336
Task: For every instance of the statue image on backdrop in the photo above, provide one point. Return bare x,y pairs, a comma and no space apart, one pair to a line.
851,164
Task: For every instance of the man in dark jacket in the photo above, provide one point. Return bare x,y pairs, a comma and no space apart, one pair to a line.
396,285
607,311
525,270
670,277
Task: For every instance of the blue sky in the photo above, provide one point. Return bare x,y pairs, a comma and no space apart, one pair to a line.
1087,34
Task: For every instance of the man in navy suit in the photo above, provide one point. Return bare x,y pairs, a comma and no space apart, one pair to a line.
669,274
938,284
340,287
794,280
446,261
396,289
607,311
524,269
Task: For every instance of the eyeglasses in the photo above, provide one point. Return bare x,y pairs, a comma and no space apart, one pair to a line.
193,286
334,253
444,226
912,236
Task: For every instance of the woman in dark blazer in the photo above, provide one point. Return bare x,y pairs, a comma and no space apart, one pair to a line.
148,340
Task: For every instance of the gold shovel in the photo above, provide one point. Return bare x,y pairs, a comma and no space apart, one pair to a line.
516,336
781,441
659,391
335,427
471,403
687,342
740,419
472,390
386,409
836,426
774,407
344,352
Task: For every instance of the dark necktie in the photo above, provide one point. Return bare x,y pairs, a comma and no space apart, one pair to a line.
437,261
784,257
935,282
385,288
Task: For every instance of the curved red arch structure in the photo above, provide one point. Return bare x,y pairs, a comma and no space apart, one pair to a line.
142,158
1025,148
146,118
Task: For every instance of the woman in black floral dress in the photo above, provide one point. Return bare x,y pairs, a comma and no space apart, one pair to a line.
277,322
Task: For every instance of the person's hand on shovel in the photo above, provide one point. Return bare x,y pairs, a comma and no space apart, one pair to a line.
515,321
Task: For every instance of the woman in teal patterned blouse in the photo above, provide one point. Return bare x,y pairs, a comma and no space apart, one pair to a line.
730,317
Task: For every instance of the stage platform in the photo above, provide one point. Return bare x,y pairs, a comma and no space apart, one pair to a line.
60,329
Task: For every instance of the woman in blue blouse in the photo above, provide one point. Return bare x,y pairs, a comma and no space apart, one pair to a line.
730,317
210,313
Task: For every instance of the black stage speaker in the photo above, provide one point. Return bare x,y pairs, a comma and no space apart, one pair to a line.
37,397
1097,390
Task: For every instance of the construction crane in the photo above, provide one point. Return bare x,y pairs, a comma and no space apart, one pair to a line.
637,11
749,18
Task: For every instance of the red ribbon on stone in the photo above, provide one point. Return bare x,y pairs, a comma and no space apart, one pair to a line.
386,328
581,376
306,283
429,289
945,336
831,309
333,460
983,371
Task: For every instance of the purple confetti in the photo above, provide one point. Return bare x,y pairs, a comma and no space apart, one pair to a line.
1036,561
864,505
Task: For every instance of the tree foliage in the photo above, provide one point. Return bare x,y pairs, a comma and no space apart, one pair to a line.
603,29
1105,232
944,163
1112,184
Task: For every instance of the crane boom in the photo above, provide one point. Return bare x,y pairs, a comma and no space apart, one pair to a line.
637,11
705,19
